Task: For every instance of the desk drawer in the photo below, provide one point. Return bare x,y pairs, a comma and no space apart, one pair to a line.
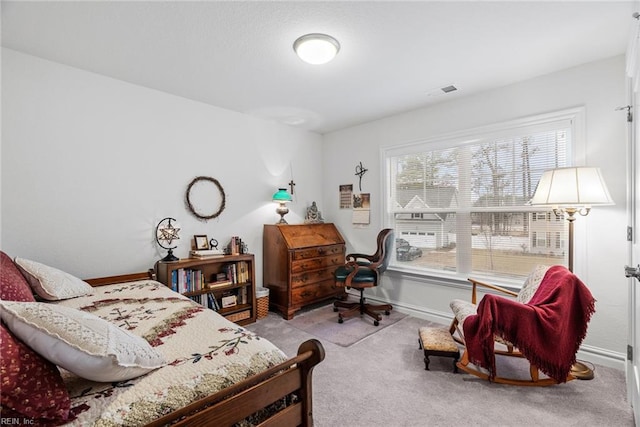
319,251
316,291
312,276
328,262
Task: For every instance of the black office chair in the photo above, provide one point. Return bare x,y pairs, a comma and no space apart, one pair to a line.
363,271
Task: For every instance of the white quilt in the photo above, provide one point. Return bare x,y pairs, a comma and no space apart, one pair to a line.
205,353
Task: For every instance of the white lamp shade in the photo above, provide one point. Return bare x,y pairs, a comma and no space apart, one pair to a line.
572,187
316,49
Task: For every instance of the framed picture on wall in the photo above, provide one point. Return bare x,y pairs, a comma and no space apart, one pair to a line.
346,191
201,242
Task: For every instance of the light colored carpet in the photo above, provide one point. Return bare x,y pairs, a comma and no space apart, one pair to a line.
381,381
322,322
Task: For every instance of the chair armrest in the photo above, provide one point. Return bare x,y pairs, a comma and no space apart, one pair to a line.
355,256
353,266
477,283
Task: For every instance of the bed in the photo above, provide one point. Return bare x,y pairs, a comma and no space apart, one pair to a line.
204,369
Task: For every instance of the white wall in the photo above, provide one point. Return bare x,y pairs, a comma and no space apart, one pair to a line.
600,237
91,164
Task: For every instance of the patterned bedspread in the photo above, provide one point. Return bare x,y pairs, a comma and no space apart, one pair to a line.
205,353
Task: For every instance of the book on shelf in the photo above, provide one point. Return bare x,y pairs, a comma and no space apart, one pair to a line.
218,283
237,272
230,271
235,245
206,253
187,280
199,299
243,272
212,302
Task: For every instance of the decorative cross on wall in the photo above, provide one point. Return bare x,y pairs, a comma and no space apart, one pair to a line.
292,184
360,171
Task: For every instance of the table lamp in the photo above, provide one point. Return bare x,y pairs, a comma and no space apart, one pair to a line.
282,198
166,232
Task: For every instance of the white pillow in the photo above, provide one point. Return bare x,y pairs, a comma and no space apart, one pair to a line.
80,342
50,283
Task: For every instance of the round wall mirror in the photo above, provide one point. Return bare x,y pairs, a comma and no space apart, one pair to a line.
205,198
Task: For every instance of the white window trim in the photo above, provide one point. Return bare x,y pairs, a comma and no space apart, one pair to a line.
577,156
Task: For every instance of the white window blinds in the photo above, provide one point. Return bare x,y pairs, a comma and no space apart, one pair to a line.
463,199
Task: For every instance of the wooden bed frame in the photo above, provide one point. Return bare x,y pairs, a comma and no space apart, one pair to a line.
235,403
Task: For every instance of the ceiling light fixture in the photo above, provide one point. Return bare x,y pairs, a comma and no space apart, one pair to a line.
316,48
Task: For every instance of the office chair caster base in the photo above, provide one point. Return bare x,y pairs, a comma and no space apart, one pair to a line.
376,323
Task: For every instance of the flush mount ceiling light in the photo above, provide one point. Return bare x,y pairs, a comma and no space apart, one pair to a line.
316,48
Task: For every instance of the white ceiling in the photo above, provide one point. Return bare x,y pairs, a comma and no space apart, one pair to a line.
238,55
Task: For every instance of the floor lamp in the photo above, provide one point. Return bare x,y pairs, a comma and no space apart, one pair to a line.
570,191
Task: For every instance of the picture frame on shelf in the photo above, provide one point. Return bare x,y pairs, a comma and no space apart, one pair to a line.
229,301
201,242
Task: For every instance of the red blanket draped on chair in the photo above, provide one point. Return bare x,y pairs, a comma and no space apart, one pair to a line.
548,330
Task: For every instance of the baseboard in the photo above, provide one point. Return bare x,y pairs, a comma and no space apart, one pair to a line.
591,354
603,357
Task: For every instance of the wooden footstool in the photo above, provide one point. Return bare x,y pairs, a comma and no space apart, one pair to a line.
438,342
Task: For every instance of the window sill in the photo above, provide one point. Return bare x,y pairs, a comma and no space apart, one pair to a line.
452,279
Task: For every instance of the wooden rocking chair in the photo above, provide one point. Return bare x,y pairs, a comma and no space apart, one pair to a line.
502,347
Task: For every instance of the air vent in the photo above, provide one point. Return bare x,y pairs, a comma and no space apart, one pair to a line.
442,90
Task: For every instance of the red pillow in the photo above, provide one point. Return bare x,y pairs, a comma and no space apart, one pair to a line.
31,385
13,285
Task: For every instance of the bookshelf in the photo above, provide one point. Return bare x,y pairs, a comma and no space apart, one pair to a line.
225,284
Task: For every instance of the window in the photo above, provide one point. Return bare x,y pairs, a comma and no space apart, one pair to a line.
463,199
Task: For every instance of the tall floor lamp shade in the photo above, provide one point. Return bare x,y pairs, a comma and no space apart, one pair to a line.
569,191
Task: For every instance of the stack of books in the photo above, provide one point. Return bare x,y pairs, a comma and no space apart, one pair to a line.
219,279
207,253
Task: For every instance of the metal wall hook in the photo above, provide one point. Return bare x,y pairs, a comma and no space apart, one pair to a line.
628,108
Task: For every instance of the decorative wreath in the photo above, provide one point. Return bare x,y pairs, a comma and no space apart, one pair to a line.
205,216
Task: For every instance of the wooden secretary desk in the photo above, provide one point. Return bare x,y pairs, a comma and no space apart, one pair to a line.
299,261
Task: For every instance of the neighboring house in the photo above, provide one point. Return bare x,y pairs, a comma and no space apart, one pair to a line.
507,223
419,227
540,233
547,234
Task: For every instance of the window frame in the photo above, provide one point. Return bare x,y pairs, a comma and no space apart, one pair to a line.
575,156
